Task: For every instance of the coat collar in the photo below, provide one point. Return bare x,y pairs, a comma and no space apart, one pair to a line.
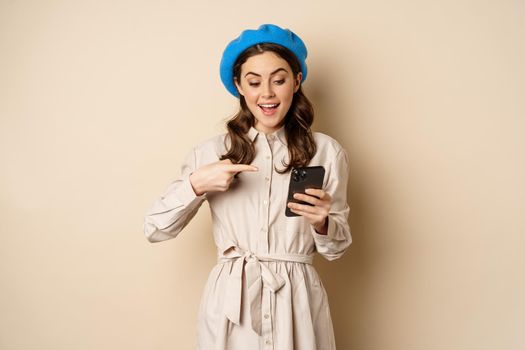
279,133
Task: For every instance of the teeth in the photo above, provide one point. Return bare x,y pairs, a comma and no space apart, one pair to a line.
269,105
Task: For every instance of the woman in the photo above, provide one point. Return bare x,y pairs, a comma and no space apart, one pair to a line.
263,293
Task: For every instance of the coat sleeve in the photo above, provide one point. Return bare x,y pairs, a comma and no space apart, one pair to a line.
172,211
338,238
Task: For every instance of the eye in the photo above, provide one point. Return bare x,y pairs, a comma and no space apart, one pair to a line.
279,82
254,84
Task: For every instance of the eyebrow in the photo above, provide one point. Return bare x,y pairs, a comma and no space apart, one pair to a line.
272,73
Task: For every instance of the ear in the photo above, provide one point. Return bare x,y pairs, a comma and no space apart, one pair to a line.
239,88
297,81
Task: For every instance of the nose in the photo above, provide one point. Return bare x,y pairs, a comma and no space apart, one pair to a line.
268,90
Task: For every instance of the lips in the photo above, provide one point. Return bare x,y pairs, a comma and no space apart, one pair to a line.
268,108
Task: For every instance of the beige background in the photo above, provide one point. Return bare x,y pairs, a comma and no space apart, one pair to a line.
100,100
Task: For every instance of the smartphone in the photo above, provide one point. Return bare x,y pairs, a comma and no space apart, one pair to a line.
301,179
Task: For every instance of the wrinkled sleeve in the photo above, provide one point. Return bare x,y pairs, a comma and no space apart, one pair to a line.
172,211
336,241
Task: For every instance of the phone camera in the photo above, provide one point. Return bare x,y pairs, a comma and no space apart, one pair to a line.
298,175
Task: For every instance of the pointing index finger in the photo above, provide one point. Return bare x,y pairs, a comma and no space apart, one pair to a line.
236,168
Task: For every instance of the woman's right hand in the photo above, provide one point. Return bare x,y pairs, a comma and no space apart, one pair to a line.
217,176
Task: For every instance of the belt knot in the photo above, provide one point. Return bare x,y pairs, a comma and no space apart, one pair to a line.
257,274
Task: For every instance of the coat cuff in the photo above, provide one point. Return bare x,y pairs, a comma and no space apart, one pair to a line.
330,234
184,193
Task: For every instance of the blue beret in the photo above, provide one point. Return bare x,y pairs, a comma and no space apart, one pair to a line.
266,33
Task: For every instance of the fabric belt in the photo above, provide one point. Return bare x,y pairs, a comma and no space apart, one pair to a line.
257,274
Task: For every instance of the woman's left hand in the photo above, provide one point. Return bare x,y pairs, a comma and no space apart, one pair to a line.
317,214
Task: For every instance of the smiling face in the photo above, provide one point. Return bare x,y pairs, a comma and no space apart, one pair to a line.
267,85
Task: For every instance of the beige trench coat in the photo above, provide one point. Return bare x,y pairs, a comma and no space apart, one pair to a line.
263,293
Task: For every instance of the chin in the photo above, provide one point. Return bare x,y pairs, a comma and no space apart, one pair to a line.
269,120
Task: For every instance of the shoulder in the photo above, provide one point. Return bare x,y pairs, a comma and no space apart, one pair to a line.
331,154
210,149
327,144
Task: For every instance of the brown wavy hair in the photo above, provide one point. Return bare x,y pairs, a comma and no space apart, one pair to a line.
297,122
